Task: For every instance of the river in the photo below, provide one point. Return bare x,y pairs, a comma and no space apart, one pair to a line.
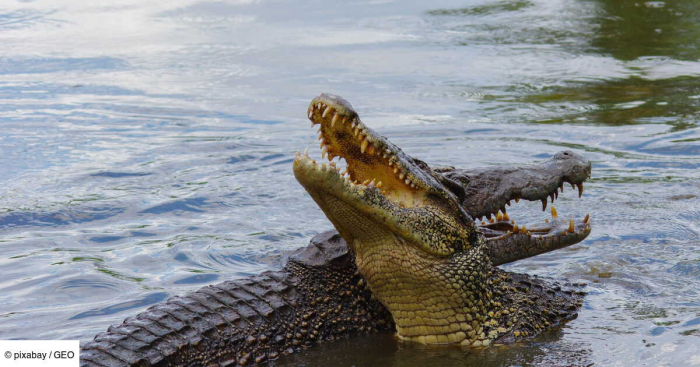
146,151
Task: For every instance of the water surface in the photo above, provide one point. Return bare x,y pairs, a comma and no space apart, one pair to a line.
146,151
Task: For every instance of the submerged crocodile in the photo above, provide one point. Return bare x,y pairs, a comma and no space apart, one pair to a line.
415,252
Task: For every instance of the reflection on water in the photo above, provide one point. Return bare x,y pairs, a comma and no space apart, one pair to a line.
631,30
146,150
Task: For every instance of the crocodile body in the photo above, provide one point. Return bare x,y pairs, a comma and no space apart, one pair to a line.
318,296
425,270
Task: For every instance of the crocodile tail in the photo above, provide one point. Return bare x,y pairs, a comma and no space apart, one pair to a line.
224,324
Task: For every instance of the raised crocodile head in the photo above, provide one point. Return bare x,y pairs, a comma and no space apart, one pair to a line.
423,255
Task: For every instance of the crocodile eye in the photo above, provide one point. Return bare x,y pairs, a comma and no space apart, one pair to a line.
566,154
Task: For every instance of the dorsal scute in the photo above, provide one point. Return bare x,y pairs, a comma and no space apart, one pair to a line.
326,249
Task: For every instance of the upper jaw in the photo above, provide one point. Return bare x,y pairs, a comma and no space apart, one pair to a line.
485,191
369,155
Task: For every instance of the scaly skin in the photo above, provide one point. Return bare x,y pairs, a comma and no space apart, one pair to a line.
422,254
321,294
318,296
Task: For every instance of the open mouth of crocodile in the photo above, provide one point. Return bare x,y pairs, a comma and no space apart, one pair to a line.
378,173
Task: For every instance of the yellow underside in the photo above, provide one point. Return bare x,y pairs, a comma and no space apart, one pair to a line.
428,305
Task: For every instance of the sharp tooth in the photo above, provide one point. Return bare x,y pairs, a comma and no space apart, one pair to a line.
506,217
580,189
361,137
391,163
388,151
325,112
373,183
323,153
551,197
571,226
363,146
379,184
491,220
311,113
554,212
516,229
371,150
523,229
306,151
396,170
334,120
408,182
517,200
587,218
323,144
353,124
401,175
365,182
544,204
499,216
318,106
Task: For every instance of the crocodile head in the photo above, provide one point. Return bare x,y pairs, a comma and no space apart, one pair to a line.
415,242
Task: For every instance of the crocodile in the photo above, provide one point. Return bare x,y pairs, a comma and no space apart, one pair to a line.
415,251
